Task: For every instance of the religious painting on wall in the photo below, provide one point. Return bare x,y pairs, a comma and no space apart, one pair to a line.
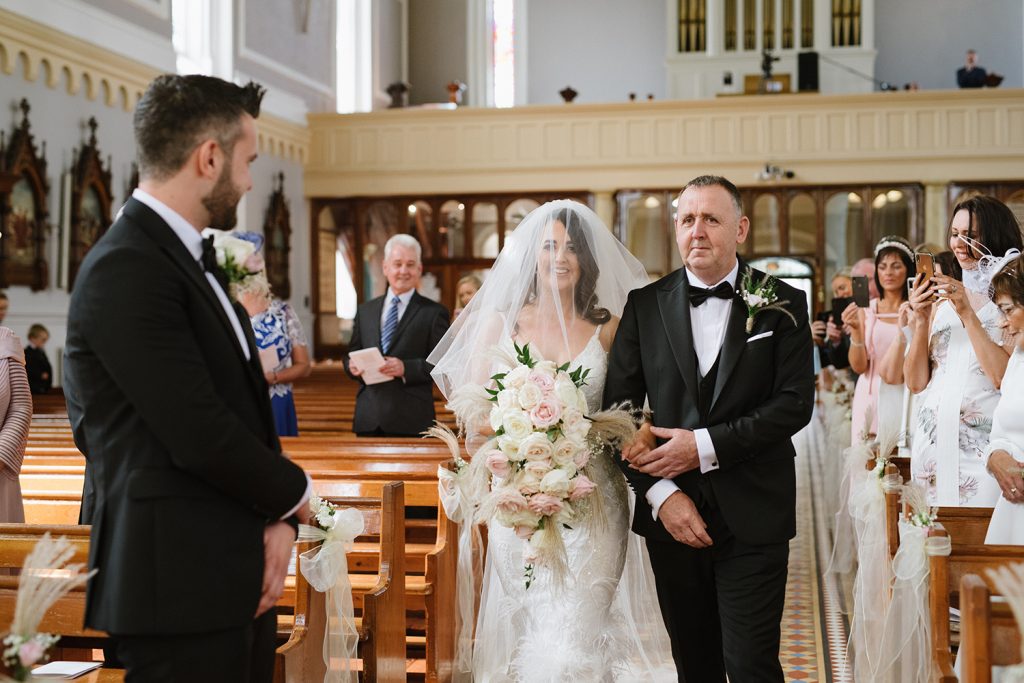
23,213
90,202
277,230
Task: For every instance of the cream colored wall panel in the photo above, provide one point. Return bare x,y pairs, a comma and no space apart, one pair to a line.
366,152
666,138
557,142
867,132
1015,127
640,135
927,130
472,144
584,141
443,150
779,137
808,128
529,145
696,140
392,149
896,130
839,132
611,136
502,147
959,129
751,135
723,137
986,130
416,146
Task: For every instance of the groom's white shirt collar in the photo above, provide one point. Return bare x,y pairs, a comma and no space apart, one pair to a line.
730,278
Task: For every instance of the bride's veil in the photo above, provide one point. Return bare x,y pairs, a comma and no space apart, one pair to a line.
524,275
558,247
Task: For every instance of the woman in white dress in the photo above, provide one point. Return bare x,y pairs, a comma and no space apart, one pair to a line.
1005,453
957,358
558,285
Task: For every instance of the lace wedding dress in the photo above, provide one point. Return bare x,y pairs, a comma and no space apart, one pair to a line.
603,622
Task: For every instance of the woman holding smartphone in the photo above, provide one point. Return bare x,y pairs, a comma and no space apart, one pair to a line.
872,331
1005,452
957,358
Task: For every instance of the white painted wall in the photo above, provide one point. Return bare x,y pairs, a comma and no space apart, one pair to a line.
604,49
437,48
925,40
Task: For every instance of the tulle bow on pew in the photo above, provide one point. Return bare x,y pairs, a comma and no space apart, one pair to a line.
326,569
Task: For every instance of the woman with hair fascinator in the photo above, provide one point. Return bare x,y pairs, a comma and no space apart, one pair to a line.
558,286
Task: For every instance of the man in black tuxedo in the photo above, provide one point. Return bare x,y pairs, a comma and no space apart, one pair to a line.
406,327
716,499
192,505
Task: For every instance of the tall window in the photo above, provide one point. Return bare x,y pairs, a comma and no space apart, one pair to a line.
190,23
691,25
503,40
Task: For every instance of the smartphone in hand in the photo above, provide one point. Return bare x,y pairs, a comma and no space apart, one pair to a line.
861,293
839,305
925,264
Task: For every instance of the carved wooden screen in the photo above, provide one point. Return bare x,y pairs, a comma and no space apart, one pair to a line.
90,201
23,209
277,231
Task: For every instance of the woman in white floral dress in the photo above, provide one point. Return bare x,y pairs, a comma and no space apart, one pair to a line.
957,359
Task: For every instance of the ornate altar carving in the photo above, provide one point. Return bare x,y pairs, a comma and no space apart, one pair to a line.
23,212
90,201
277,230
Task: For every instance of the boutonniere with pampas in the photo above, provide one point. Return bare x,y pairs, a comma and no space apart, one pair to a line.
761,296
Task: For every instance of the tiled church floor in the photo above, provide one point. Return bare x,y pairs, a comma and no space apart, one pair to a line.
814,631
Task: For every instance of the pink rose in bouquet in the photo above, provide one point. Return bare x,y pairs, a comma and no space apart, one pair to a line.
510,500
498,463
546,413
542,379
582,487
31,652
544,504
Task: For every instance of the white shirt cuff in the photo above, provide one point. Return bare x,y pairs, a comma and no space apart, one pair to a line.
705,450
302,501
659,493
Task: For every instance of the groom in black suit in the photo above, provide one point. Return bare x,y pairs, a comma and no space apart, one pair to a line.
192,505
716,497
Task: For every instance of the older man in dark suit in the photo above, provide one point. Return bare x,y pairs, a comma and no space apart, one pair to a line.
192,505
716,499
406,327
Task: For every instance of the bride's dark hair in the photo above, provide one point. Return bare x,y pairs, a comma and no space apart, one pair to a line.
585,292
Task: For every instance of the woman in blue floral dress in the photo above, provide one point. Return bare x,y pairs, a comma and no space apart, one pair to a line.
284,351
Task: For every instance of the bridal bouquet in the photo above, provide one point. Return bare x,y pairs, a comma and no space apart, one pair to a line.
533,474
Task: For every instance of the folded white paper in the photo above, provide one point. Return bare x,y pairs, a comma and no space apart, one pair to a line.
369,361
65,669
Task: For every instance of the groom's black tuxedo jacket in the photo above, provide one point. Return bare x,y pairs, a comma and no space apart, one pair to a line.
763,395
184,465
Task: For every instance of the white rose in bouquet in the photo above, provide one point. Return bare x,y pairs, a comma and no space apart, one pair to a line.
574,425
529,396
535,448
516,377
509,447
564,451
568,394
508,398
556,483
546,367
517,424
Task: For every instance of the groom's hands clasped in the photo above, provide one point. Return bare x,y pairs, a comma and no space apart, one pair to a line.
677,455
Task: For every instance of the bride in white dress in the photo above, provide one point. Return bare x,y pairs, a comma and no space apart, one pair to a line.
558,285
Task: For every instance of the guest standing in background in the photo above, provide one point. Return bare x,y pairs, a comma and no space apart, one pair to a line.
465,289
835,350
15,416
872,331
970,75
405,327
1005,452
957,358
282,344
37,365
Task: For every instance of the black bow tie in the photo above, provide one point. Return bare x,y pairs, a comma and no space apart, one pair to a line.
210,265
698,295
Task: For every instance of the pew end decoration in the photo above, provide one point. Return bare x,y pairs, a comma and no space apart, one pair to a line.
46,577
325,567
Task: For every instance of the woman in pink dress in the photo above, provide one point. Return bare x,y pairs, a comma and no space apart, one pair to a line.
15,416
872,331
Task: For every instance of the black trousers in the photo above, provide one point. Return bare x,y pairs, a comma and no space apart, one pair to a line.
722,605
240,655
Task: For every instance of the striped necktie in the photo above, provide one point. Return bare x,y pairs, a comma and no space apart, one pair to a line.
390,325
